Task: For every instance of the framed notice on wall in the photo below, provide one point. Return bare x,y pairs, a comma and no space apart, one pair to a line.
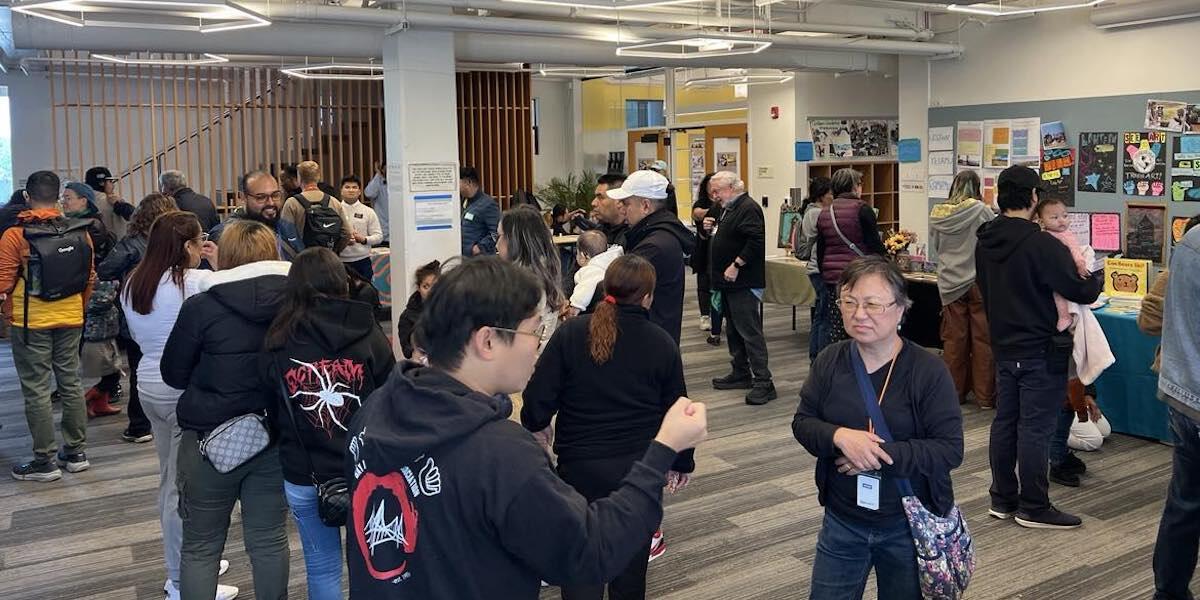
1146,231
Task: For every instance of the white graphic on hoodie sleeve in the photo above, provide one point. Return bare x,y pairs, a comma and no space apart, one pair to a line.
426,483
330,400
378,532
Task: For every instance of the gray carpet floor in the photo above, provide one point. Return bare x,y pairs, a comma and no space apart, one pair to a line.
744,529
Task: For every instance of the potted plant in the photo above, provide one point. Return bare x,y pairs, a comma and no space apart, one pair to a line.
573,192
897,244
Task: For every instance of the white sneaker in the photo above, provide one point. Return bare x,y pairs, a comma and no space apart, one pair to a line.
705,323
224,567
224,592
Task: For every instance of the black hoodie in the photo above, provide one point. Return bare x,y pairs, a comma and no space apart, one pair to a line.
408,322
337,355
450,499
212,353
1019,267
662,239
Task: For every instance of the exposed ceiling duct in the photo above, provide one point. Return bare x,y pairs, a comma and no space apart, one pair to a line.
1154,12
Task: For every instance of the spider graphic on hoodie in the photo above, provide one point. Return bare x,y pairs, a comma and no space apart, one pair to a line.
325,390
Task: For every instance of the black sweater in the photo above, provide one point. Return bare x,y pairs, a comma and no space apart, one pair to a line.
1019,268
662,239
922,412
338,351
407,323
212,353
450,499
741,233
610,410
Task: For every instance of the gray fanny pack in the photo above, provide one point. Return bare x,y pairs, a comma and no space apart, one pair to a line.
236,441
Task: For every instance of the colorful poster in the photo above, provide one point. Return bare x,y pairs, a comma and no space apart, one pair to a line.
1166,115
942,163
1097,164
1144,163
1146,231
1058,172
1192,116
1185,169
854,138
970,144
1080,224
941,138
987,178
1178,224
1026,142
939,186
997,144
696,162
1125,278
1054,135
1106,232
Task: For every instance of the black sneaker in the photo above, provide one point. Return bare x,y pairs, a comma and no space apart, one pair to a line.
1072,464
37,470
1051,518
136,438
73,462
1060,475
713,340
761,394
733,381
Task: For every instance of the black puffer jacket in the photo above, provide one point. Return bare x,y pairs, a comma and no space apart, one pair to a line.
408,322
662,239
212,353
123,257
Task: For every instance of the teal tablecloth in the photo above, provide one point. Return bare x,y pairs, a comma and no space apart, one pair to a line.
1126,390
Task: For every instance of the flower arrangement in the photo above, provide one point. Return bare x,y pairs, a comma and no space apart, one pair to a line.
897,242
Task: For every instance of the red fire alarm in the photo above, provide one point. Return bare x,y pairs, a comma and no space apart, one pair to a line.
774,112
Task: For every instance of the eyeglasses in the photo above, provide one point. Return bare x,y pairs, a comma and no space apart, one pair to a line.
541,333
850,306
277,195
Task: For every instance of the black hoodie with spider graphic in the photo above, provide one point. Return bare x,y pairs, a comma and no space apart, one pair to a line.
337,356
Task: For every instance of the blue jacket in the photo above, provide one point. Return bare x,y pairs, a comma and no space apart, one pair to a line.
290,242
480,219
1179,379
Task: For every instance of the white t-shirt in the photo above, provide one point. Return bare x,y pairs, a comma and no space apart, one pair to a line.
151,331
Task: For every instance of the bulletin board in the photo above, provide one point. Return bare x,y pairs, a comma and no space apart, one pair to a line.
1079,115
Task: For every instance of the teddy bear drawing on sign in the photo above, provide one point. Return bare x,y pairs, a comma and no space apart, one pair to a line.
1143,157
1125,282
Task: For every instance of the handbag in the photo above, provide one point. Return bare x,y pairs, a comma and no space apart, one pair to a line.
945,552
236,441
333,495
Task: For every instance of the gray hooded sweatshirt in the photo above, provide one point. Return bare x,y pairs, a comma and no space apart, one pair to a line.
952,238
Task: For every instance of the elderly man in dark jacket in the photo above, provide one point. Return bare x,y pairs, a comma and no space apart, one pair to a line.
656,234
737,264
174,184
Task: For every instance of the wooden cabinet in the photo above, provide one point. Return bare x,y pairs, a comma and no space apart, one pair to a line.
881,187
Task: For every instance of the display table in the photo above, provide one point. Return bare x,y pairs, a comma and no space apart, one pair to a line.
1126,391
923,325
565,240
788,284
381,267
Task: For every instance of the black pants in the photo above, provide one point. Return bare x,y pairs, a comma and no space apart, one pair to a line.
1029,396
747,347
138,423
596,479
1179,531
704,291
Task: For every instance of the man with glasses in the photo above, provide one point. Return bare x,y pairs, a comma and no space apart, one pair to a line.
1020,267
260,197
441,480
737,263
608,216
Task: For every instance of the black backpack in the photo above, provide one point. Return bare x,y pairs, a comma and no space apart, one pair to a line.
60,258
322,224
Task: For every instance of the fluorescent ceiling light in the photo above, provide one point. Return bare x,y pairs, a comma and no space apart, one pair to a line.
999,9
813,34
738,79
205,16
580,71
208,59
335,71
606,4
709,112
694,47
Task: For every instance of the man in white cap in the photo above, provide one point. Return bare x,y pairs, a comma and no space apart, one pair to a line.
657,235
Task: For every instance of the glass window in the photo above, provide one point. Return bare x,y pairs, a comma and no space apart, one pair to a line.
644,113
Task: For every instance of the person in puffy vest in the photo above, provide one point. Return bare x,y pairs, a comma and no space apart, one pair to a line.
846,230
46,277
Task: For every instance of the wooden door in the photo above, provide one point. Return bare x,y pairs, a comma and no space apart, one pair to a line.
722,141
636,137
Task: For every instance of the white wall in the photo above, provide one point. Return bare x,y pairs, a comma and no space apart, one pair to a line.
914,123
1061,55
556,132
29,112
771,148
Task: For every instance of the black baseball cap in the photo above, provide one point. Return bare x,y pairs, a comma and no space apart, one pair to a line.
96,176
1019,178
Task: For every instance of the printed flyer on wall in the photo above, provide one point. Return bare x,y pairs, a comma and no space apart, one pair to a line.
1166,115
1185,169
997,138
1026,142
1054,135
970,144
1097,165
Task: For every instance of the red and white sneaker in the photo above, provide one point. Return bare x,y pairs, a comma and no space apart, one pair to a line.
658,545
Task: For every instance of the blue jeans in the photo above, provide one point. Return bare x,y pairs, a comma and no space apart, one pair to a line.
846,551
818,336
322,544
1178,541
1029,398
1058,450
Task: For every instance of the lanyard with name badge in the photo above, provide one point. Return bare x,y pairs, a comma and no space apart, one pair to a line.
869,482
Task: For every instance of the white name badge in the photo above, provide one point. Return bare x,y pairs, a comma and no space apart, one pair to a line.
469,217
868,491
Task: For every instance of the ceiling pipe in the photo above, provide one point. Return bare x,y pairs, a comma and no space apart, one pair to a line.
1145,13
677,17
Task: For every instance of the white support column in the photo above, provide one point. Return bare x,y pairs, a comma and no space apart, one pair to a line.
914,123
422,137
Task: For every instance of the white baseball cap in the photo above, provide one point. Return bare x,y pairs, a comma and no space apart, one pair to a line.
643,184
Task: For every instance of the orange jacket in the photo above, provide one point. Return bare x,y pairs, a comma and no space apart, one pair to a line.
14,255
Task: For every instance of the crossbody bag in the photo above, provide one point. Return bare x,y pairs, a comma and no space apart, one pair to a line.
838,231
333,494
235,442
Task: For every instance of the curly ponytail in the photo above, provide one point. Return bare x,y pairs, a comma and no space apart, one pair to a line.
628,280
